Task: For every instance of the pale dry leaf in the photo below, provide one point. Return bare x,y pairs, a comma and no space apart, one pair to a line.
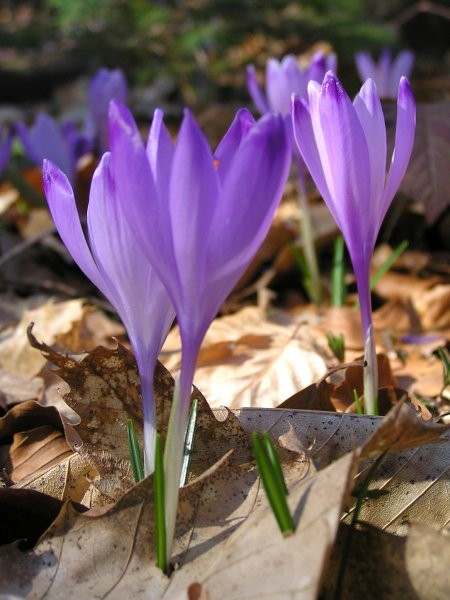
51,320
248,359
110,552
19,387
417,479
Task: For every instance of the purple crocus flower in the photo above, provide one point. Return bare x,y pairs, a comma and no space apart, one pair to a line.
284,78
62,144
113,261
5,146
106,85
200,218
386,72
344,148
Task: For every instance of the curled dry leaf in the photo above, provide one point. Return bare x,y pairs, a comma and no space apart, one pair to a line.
226,537
105,392
248,359
32,439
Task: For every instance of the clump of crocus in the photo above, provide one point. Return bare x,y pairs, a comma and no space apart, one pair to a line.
344,148
114,262
5,146
199,217
106,85
284,78
62,144
386,72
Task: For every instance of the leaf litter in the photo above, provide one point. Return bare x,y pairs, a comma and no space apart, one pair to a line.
226,533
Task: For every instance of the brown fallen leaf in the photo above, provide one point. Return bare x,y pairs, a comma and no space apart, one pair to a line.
385,566
221,535
52,319
32,439
248,359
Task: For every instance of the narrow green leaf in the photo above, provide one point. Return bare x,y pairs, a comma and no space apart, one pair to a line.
359,408
275,495
275,461
336,344
135,453
160,513
189,442
338,291
384,268
444,357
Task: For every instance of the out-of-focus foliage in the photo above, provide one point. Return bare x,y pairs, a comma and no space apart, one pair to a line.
203,45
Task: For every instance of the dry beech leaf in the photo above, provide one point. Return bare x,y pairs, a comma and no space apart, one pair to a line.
226,537
52,319
17,387
249,360
415,478
385,566
105,391
32,439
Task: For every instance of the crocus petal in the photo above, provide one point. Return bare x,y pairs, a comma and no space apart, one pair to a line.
137,189
160,150
306,142
401,67
63,209
44,140
368,108
255,91
277,86
404,141
343,150
383,73
105,86
194,187
295,77
226,150
365,66
249,198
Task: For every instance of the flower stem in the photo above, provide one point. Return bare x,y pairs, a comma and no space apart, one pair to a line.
309,248
159,499
173,454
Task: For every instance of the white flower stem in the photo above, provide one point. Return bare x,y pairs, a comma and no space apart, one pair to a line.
309,248
370,373
173,453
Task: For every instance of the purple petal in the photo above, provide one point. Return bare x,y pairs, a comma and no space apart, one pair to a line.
365,66
194,188
226,150
147,214
63,209
160,151
368,108
307,145
296,79
45,140
255,91
251,192
343,150
278,88
404,141
401,67
105,86
139,297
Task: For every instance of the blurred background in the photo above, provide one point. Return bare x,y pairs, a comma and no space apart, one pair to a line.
195,51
